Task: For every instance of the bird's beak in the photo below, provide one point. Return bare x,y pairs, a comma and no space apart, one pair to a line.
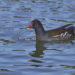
29,27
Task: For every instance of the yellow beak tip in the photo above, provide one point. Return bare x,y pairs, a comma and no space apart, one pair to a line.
28,28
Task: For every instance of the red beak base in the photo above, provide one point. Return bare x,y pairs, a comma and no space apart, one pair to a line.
29,27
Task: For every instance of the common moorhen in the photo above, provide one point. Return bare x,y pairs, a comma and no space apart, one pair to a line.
62,33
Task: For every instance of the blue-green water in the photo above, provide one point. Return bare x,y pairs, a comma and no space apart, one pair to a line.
20,54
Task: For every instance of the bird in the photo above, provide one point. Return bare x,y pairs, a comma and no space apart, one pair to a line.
61,33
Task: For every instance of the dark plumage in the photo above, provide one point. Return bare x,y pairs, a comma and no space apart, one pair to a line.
62,33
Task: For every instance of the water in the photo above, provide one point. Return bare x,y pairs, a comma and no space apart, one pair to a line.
20,54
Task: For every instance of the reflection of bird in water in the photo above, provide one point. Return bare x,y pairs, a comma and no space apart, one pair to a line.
41,46
39,49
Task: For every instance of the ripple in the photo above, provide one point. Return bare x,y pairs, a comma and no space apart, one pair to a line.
64,21
5,70
7,41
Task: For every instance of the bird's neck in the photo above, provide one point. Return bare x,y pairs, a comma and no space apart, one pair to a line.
39,31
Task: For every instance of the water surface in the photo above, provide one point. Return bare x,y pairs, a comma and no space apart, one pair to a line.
20,54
